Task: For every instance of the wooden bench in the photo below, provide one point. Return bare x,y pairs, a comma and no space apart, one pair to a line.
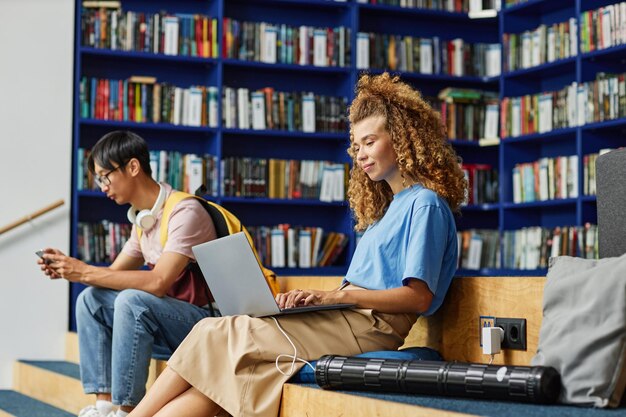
454,331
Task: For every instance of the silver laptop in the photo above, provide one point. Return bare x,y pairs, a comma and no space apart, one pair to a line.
236,280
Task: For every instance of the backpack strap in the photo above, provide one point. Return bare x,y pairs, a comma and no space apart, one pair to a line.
225,224
171,202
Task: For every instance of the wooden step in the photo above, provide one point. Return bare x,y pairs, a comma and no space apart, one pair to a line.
71,347
15,404
54,382
311,401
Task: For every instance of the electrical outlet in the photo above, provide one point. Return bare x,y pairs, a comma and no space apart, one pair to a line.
514,332
484,321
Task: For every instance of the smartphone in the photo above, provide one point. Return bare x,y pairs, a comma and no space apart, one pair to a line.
40,254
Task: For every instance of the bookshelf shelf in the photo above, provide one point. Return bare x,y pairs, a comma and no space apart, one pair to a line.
440,15
614,53
284,67
544,70
328,4
556,134
99,194
146,56
540,204
481,207
535,7
282,201
91,194
609,125
114,124
463,143
287,134
416,77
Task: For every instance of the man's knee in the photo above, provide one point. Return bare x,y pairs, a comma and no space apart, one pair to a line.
134,300
90,300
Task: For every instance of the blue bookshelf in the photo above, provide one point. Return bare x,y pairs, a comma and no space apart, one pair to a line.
580,140
185,71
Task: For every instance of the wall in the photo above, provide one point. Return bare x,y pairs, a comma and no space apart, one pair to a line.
36,64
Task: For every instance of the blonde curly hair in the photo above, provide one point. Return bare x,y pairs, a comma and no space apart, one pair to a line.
418,138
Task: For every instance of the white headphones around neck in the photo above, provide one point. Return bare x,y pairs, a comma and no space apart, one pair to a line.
145,219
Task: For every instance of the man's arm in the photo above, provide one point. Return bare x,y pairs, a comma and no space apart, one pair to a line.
124,262
157,281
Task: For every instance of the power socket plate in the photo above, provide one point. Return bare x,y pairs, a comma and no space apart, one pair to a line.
514,332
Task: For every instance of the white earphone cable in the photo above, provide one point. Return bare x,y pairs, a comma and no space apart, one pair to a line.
294,357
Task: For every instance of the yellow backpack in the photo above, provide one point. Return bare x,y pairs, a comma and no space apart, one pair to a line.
226,223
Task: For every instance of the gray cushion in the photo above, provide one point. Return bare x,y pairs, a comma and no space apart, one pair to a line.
583,333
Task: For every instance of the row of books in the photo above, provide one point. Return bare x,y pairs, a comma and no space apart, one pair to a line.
291,111
284,179
185,172
603,27
575,105
589,171
546,179
468,114
532,247
478,248
159,33
142,99
482,183
459,6
278,247
297,247
285,44
101,242
427,55
540,45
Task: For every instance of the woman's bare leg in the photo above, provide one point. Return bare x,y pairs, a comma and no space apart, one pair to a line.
191,403
166,388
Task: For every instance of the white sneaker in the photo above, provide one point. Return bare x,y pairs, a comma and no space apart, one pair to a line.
92,411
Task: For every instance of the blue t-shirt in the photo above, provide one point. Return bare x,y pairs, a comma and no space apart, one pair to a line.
416,238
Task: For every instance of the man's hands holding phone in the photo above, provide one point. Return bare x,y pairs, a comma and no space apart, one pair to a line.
56,264
45,262
40,254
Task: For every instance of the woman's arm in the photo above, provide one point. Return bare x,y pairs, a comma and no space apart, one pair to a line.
415,297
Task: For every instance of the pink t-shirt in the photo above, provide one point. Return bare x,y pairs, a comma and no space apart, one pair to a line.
189,225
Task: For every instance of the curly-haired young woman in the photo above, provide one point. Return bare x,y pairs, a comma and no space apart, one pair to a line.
405,184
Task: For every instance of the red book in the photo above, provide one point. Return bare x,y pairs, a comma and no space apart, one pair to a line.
120,100
131,101
99,97
226,30
450,49
198,35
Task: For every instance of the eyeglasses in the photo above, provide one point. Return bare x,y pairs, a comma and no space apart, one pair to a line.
103,180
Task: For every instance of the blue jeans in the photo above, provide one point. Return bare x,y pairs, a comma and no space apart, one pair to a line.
117,331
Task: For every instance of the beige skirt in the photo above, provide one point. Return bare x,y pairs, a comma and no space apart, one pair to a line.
232,359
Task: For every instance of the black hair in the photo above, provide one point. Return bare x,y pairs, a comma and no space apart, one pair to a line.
117,148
